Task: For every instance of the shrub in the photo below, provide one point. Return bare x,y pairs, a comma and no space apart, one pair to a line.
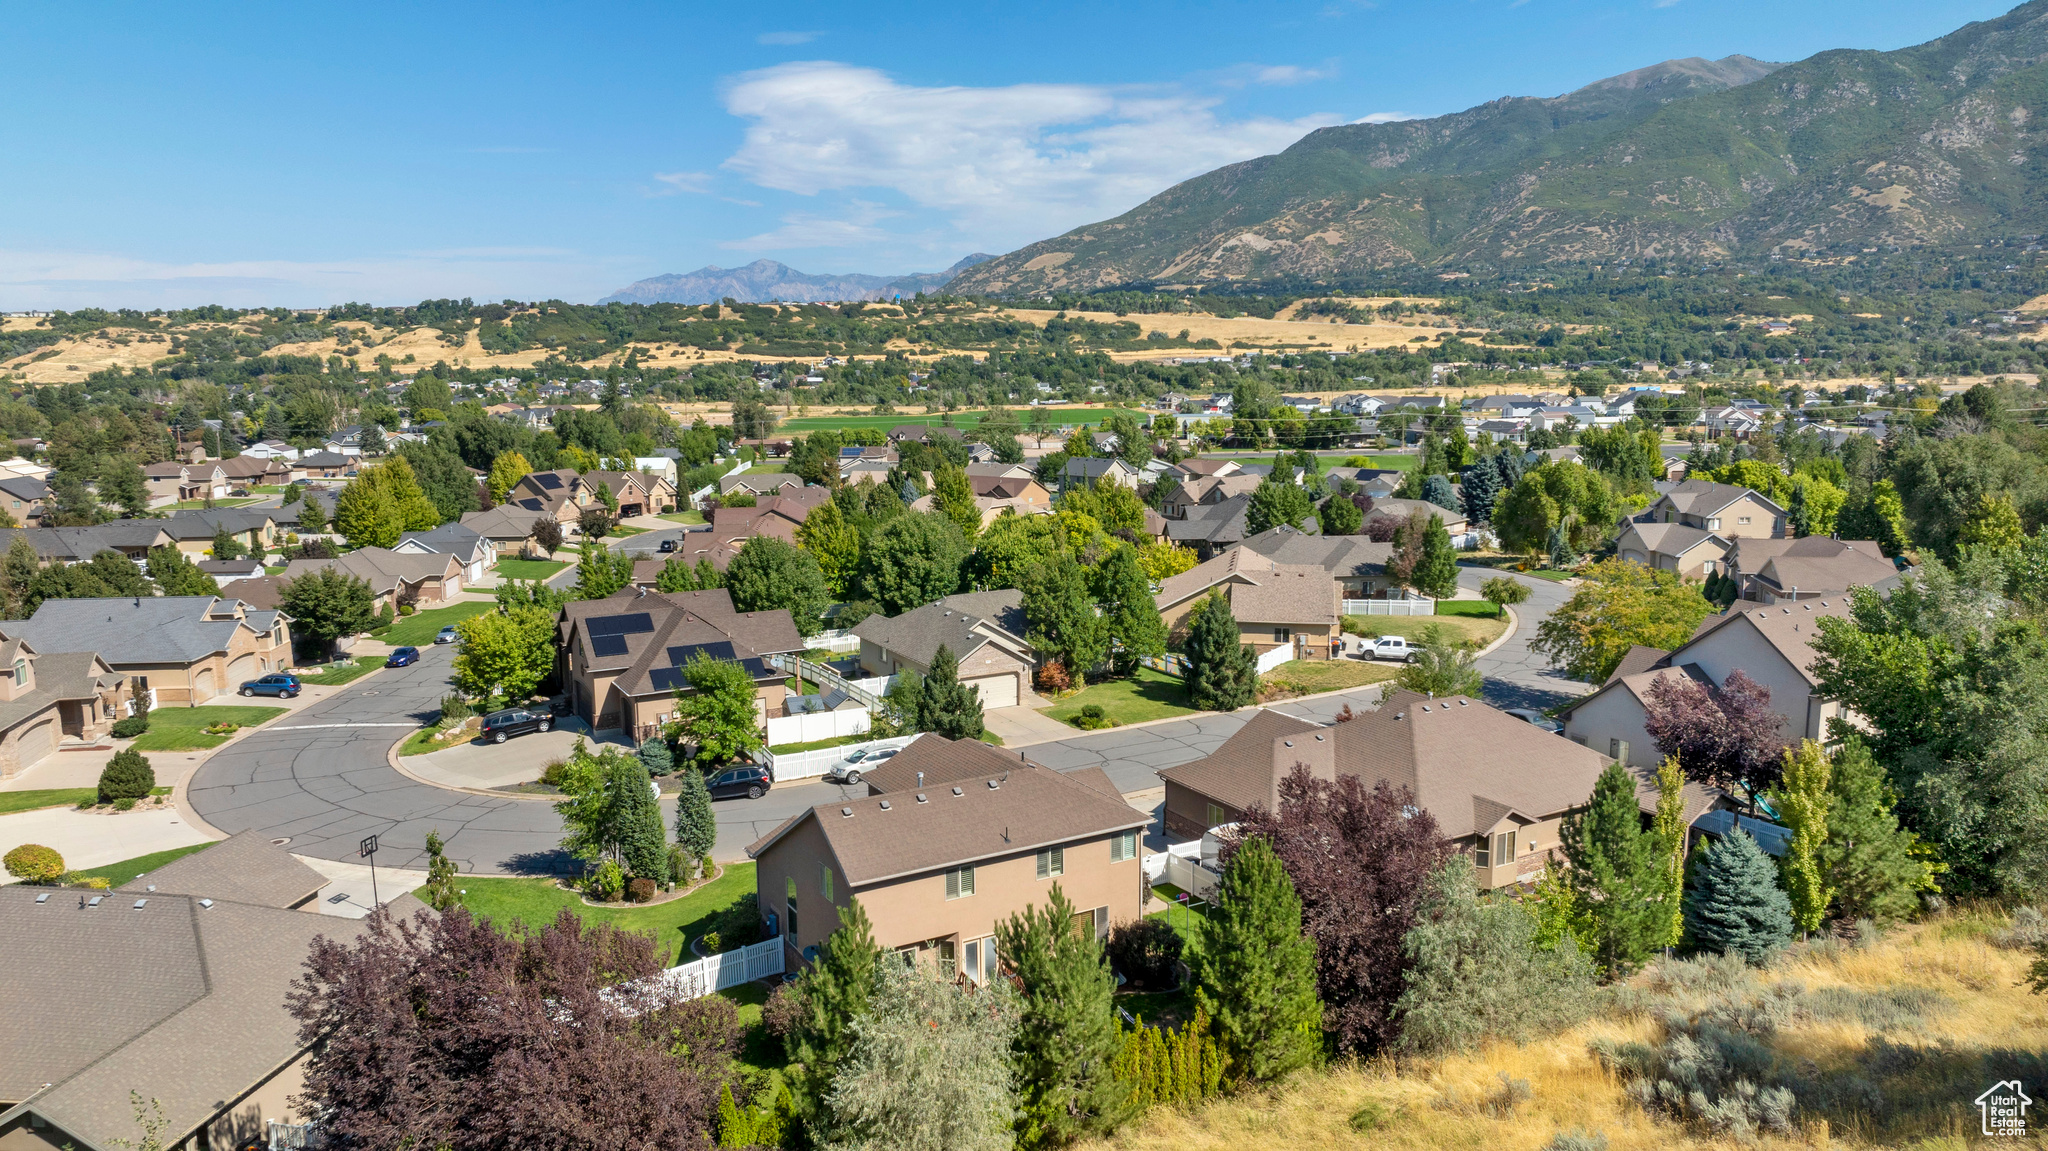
1166,1067
455,709
1577,1140
34,863
1144,952
640,891
1092,718
712,943
1052,677
131,727
2028,930
126,776
608,881
125,803
553,774
740,923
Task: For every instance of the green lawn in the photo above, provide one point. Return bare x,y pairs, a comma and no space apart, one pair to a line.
626,530
1475,630
128,870
766,466
1146,696
345,672
528,569
230,502
535,902
1319,675
1476,608
813,745
421,627
685,517
13,801
183,728
421,742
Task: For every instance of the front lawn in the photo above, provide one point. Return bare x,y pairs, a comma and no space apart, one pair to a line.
1476,631
421,627
528,569
183,728
1473,608
534,902
128,870
347,671
1312,676
691,516
1145,696
13,801
813,745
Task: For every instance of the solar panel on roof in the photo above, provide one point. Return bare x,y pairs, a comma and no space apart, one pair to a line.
633,623
667,678
607,645
678,656
547,480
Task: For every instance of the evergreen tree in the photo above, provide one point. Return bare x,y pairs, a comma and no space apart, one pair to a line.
1222,673
1614,872
642,847
1802,798
364,514
928,1069
1129,609
1437,490
1481,484
1340,516
1734,905
1059,612
225,545
442,893
1436,573
1067,1036
696,826
656,757
830,994
946,706
1873,865
1562,557
1255,973
1797,516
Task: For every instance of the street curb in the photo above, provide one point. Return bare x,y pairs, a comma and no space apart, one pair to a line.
397,764
1514,625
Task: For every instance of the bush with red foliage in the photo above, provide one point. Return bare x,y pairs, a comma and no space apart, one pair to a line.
1360,860
443,1032
1052,676
1727,736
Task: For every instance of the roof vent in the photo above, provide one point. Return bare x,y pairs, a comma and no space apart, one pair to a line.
140,903
1425,709
43,898
1400,715
1287,742
920,779
206,903
885,805
994,784
921,798
94,901
1319,739
151,887
957,791
846,813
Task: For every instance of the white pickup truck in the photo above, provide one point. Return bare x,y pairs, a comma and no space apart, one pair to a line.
1392,647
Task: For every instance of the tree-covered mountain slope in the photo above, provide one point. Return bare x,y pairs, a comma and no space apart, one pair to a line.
1846,151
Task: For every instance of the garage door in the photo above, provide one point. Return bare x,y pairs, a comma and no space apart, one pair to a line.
242,671
996,690
37,742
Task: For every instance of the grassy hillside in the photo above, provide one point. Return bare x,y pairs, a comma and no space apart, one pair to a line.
1884,1046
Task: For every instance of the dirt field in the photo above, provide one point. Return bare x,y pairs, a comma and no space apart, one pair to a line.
1246,333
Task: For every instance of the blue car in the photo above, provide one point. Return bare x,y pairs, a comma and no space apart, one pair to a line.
286,686
402,656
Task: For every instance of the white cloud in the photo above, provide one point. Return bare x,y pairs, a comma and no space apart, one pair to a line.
1385,117
1006,165
1286,74
786,38
674,182
853,227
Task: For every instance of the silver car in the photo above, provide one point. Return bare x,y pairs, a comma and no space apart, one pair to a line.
849,770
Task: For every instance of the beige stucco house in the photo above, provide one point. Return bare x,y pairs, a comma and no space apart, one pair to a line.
1727,510
623,657
45,697
983,630
1276,604
187,649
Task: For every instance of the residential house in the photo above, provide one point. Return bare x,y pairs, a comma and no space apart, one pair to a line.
1201,490
922,433
346,442
1087,472
623,657
1694,553
1511,431
1505,407
225,572
1276,604
395,577
996,470
759,484
272,450
996,494
131,538
1741,423
186,649
1728,510
205,952
663,467
937,868
1210,529
291,517
174,481
555,494
246,471
691,548
1499,789
1200,467
46,697
1454,521
864,470
510,529
324,466
1771,645
193,530
1356,564
983,630
28,499
637,493
473,550
1774,571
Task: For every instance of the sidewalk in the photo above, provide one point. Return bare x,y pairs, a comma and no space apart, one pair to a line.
348,893
477,766
90,839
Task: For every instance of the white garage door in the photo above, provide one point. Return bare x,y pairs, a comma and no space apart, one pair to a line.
242,670
37,742
996,690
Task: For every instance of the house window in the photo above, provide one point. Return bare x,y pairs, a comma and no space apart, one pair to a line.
791,928
1714,524
971,967
1499,851
20,671
949,959
1123,846
1214,816
960,883
1052,862
825,883
1741,519
1282,634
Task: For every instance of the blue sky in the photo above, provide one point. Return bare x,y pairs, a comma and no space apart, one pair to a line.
169,155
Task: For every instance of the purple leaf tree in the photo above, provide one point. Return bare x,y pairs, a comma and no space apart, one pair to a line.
1727,736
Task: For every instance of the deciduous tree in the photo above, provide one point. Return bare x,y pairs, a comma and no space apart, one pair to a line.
833,544
1727,736
326,604
716,713
504,653
1129,610
1618,605
1277,501
769,574
176,574
911,561
1803,800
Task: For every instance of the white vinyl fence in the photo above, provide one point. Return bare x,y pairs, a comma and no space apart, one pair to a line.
1420,606
811,764
843,642
727,969
804,728
1190,876
1272,659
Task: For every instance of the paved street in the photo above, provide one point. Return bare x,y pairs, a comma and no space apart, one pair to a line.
321,778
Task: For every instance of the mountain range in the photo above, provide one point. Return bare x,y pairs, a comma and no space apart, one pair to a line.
765,280
1843,153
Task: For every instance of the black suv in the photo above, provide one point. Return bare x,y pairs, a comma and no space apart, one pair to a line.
500,726
750,781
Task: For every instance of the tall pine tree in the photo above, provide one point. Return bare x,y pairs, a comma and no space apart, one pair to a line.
1222,674
831,993
946,706
696,826
1436,573
1615,872
1871,862
1481,485
1067,1040
1255,973
637,821
1735,905
1129,609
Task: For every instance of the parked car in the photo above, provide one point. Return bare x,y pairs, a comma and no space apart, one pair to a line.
750,781
285,686
445,635
502,725
401,656
1392,647
1530,715
849,770
668,545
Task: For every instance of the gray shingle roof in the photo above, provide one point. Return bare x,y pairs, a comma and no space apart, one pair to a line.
160,629
954,622
464,543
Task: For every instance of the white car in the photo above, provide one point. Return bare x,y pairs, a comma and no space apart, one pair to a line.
1392,647
1531,716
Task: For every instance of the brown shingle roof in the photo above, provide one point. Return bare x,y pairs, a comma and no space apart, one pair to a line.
1241,772
943,761
1005,813
243,868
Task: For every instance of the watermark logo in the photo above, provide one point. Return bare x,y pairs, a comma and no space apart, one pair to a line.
2004,1108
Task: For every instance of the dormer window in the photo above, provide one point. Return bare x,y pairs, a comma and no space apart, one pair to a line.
20,672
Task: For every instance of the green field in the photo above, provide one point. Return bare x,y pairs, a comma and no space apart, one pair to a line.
183,728
535,903
13,801
1145,696
421,627
128,870
344,672
528,569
